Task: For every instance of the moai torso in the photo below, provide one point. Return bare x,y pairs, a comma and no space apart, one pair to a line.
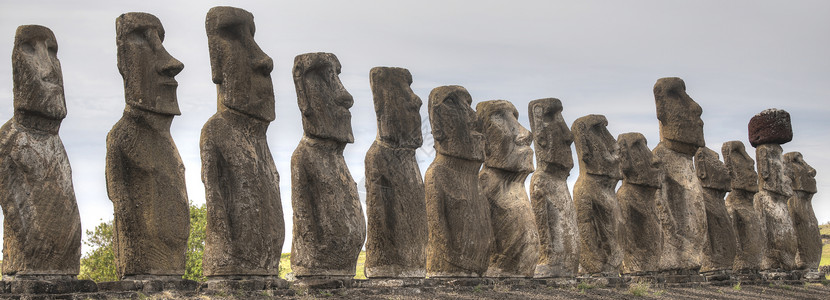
395,206
800,205
641,236
553,207
751,241
145,175
41,223
508,161
458,216
720,245
597,210
329,226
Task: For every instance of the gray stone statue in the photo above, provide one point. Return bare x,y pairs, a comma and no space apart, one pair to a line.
739,203
458,216
719,248
395,206
681,206
41,223
767,130
245,227
800,205
640,232
597,211
508,159
145,175
329,227
553,206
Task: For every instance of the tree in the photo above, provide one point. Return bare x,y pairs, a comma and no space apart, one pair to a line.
196,243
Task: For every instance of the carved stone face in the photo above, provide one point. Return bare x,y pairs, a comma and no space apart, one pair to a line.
740,165
802,175
239,67
678,114
455,127
710,170
507,143
596,148
38,80
148,70
637,164
397,107
551,134
771,170
323,100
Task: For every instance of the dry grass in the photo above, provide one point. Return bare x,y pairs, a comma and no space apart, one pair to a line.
285,265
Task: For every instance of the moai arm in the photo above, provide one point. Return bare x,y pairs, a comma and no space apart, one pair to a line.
116,174
213,164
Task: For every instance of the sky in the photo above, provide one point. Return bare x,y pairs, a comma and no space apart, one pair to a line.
598,57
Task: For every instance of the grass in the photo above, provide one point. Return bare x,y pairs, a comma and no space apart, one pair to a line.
825,249
639,289
737,286
285,265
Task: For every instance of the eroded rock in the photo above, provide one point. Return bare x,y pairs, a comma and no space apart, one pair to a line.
746,222
800,205
719,248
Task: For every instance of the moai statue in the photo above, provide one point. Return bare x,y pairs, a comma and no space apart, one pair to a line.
329,227
458,216
640,232
245,227
395,207
680,206
41,223
719,248
739,203
550,198
800,205
767,131
597,211
508,159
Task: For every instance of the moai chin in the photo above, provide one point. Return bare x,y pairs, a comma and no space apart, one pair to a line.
597,210
458,216
245,226
41,224
800,205
553,207
751,241
719,248
329,226
508,159
641,236
768,130
145,175
680,205
395,206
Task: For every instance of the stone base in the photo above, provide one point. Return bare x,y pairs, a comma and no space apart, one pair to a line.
44,286
323,282
387,282
814,276
601,280
747,276
690,277
245,283
555,281
458,282
642,277
150,285
780,275
719,277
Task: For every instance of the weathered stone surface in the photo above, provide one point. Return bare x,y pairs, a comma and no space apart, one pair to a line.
800,205
508,159
41,223
771,205
458,216
680,206
771,126
245,227
329,227
746,222
719,248
145,175
395,207
641,236
553,207
597,211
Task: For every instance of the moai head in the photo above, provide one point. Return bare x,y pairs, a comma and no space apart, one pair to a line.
771,126
741,167
148,70
771,176
551,134
802,175
240,70
637,164
397,107
596,148
710,170
506,143
679,116
323,100
38,81
455,127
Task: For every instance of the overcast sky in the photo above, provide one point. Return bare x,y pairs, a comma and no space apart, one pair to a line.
599,57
